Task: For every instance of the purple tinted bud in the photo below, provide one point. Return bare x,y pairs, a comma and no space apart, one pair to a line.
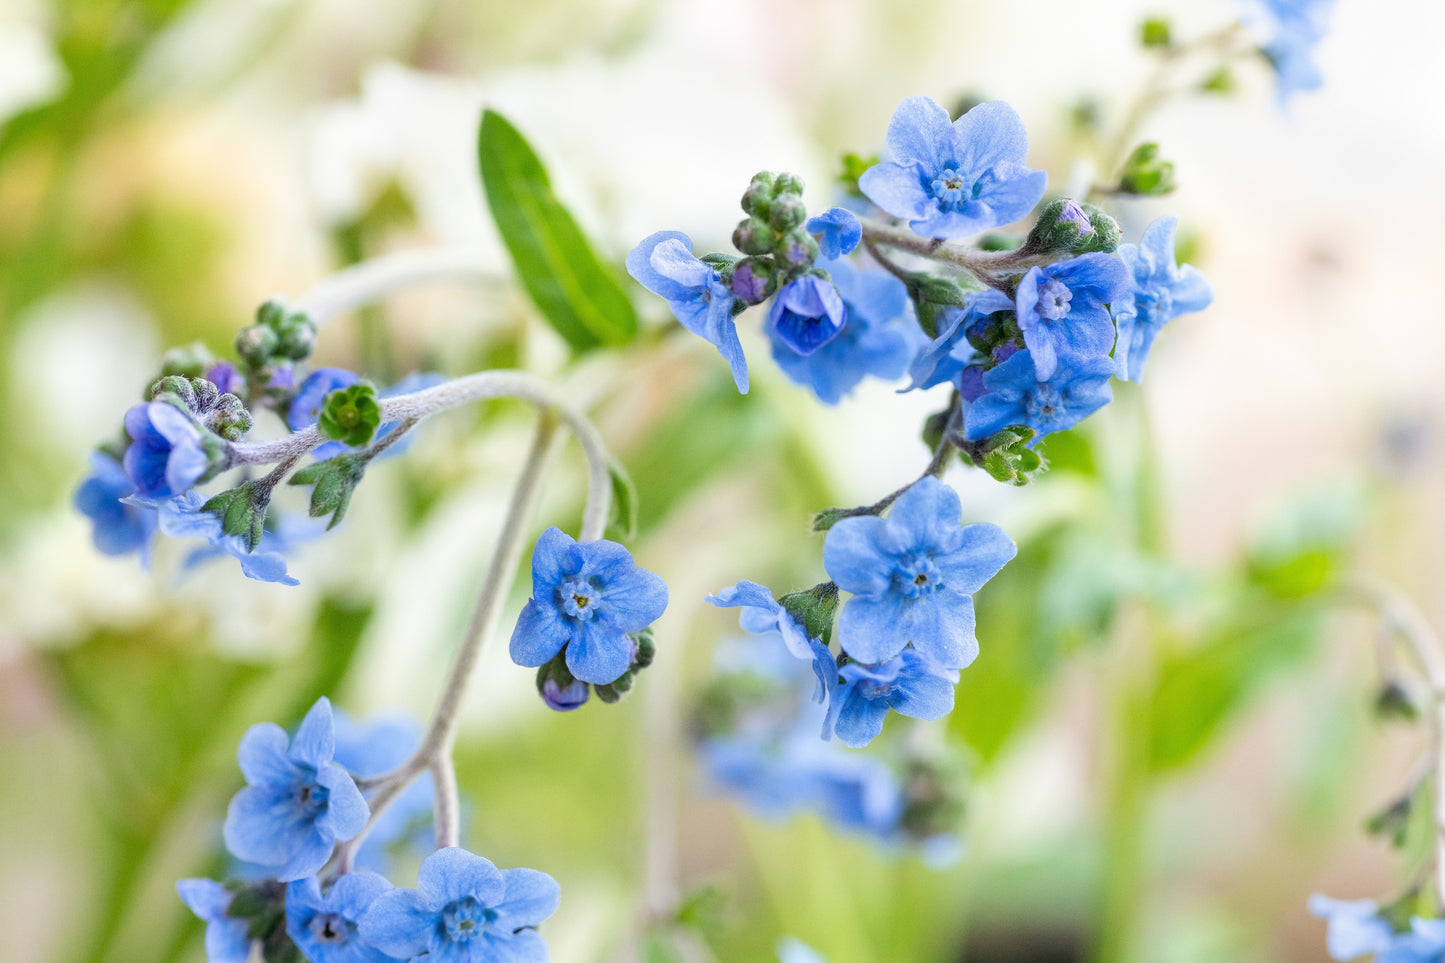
748,285
1075,213
1004,351
224,376
566,699
283,377
970,383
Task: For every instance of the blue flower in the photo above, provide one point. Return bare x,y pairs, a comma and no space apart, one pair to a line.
762,614
838,229
806,314
227,380
950,352
1355,927
1016,395
227,937
586,597
565,698
664,264
166,456
955,179
325,929
306,406
1295,28
297,803
911,684
879,336
1061,308
1161,292
181,517
369,749
464,910
119,527
913,575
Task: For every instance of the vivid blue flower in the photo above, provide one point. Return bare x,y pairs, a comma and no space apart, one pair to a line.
586,597
806,314
416,381
838,230
464,910
1061,309
664,264
955,179
324,928
306,406
565,698
166,456
911,684
181,517
913,575
879,336
297,803
762,614
369,749
1161,292
1016,395
119,527
227,939
950,352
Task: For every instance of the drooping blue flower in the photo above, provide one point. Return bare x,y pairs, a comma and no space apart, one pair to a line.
297,803
806,314
119,527
166,456
955,179
416,381
1061,308
879,336
1162,290
1016,395
464,910
227,937
324,928
1293,29
664,264
762,614
950,352
911,684
560,698
181,517
586,597
913,575
838,230
369,749
305,408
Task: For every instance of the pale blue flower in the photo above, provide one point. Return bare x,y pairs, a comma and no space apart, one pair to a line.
806,314
838,230
227,937
119,527
166,455
664,264
324,928
1061,309
1016,395
911,684
951,351
1161,291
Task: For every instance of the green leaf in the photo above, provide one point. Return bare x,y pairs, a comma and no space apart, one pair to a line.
577,295
334,479
622,523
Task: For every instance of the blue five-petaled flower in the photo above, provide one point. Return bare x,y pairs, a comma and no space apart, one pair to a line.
806,314
911,683
587,597
464,910
181,517
953,179
1162,290
1061,309
166,456
227,937
664,264
762,614
119,527
913,575
838,230
1014,394
297,803
325,928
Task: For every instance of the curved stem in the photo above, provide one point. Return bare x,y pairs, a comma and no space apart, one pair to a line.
446,807
984,265
361,284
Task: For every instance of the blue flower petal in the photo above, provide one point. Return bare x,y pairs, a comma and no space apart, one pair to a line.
346,809
451,874
400,923
858,555
982,552
597,654
539,635
262,754
531,896
315,741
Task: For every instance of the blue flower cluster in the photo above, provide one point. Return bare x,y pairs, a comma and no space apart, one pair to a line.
302,798
1357,928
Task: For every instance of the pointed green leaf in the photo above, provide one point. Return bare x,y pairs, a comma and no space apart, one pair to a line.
622,525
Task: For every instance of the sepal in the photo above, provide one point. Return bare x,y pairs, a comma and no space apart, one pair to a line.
333,482
350,415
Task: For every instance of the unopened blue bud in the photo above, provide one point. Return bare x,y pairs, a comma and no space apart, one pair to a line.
565,698
753,280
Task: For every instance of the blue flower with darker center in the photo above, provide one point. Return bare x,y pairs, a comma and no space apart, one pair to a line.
297,803
912,576
1015,394
587,597
954,178
911,684
119,527
327,929
1161,291
807,314
1061,308
465,918
166,455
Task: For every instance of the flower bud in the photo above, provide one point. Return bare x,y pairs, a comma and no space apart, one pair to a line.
798,249
229,418
565,698
757,200
785,184
753,236
256,344
754,279
788,212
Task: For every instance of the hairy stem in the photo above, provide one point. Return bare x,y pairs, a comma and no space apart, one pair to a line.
987,266
357,286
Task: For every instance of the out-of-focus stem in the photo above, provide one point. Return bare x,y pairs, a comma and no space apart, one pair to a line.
357,286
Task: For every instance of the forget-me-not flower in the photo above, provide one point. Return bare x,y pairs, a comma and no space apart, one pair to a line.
950,352
1294,28
119,527
1355,926
297,803
1061,308
838,230
1014,394
464,910
664,264
955,178
1162,290
913,575
762,614
911,684
166,456
586,597
806,314
227,937
879,336
181,517
324,928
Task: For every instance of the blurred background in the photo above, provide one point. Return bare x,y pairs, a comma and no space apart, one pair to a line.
1169,736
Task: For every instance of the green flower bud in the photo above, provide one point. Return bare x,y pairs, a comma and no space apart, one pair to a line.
192,360
788,212
350,415
758,198
1146,173
753,236
229,418
785,184
256,345
797,251
814,609
296,337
